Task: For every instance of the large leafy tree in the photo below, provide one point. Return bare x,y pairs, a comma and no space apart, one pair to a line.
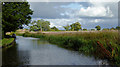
66,27
98,27
40,25
75,26
45,26
14,15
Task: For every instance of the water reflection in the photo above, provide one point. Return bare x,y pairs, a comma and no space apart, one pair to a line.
33,51
12,56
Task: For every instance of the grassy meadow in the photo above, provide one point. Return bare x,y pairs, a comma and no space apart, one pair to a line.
100,44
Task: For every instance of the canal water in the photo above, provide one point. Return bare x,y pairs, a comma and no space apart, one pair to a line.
34,51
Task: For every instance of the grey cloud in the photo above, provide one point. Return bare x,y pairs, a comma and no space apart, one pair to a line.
52,10
47,10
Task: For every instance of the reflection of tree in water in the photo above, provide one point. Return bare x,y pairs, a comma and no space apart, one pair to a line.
38,44
12,56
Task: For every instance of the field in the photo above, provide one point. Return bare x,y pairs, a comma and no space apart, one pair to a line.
100,44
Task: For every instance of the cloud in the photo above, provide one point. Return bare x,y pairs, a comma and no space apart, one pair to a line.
72,0
89,14
95,10
55,10
97,20
104,1
47,10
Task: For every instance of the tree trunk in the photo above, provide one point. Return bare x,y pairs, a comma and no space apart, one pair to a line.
3,34
41,29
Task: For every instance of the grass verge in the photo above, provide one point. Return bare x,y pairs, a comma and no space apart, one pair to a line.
6,41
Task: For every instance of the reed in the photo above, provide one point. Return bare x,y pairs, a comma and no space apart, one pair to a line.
86,42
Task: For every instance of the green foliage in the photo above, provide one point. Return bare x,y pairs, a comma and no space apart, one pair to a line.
105,28
98,27
40,25
14,15
6,41
54,29
84,29
118,27
112,28
75,26
92,29
66,27
86,43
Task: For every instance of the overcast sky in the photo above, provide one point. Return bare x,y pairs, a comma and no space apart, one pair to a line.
88,13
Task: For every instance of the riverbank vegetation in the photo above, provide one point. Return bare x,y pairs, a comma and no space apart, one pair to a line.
101,44
6,41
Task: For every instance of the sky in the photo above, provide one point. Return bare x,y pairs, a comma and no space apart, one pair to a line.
89,13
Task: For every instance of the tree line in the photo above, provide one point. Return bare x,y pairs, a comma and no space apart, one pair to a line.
45,26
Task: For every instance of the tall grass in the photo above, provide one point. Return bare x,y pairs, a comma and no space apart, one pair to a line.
6,41
86,42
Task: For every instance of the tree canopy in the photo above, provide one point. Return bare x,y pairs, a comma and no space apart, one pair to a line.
75,26
118,27
98,27
112,28
66,27
14,15
105,28
40,25
84,29
55,28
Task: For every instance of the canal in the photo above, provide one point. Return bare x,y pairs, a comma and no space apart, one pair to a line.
34,51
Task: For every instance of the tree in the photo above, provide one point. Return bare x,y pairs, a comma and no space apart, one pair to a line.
118,27
105,28
33,27
55,29
1,32
75,26
66,27
84,29
98,27
40,25
92,29
14,15
112,28
45,26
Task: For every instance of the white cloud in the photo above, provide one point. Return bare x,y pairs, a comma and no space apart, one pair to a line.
97,20
73,0
104,0
97,9
59,23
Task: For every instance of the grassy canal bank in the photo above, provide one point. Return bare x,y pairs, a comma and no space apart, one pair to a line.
100,44
6,42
